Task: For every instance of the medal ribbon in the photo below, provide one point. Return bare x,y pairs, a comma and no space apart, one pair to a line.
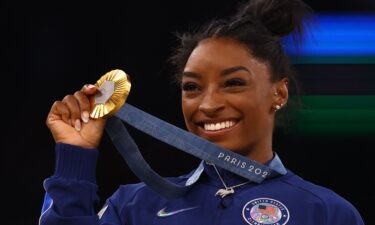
183,140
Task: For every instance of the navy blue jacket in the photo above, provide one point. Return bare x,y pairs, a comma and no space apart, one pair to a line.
287,199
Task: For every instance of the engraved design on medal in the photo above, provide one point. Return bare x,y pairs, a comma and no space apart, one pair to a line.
114,88
105,92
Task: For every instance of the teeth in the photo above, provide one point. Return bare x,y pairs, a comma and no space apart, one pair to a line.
218,126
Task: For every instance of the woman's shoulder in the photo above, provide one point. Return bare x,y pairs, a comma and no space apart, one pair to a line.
324,194
330,201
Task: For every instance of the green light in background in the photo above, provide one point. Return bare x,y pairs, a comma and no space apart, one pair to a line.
337,115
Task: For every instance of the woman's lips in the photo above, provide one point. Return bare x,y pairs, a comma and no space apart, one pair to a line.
209,128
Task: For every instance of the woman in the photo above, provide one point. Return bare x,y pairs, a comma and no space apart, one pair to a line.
234,76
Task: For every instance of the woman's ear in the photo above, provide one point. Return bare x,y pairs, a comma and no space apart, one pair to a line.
281,94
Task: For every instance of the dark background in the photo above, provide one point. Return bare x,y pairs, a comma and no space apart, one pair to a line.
48,51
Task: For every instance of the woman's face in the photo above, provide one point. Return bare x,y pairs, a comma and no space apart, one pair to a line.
227,96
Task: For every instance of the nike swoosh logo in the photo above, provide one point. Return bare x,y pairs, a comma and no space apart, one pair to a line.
163,213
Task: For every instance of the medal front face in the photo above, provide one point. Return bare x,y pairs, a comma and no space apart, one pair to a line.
113,90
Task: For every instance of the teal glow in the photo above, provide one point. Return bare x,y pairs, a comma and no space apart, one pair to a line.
334,115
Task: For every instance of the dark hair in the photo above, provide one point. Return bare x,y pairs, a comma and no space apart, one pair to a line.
259,25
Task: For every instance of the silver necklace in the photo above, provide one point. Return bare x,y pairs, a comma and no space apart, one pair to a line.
222,192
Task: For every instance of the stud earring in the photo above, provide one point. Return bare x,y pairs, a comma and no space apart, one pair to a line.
277,107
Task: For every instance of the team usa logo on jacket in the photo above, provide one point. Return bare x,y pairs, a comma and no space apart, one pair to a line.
265,211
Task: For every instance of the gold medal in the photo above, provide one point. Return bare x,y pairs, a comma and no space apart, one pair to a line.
114,88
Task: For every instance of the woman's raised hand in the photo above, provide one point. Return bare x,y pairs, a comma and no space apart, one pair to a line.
69,120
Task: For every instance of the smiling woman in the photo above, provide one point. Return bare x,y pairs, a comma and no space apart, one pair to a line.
234,78
224,84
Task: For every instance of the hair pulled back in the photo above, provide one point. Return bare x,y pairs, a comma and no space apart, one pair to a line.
259,25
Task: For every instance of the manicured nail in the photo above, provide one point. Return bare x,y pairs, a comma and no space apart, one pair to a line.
85,116
90,86
77,125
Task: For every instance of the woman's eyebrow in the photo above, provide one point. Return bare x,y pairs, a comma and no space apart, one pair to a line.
230,70
224,72
191,74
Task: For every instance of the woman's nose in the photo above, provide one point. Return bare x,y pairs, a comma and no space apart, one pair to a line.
212,103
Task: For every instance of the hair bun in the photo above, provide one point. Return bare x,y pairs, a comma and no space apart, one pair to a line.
280,17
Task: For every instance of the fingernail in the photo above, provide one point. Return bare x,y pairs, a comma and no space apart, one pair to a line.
85,116
90,86
77,125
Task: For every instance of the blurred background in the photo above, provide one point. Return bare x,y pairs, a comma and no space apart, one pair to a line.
51,50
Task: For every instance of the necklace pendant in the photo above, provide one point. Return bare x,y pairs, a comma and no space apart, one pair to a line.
224,192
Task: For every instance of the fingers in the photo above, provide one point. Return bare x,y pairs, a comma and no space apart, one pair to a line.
59,108
89,89
73,106
75,109
84,105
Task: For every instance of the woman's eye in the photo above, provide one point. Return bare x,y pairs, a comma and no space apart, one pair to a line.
190,86
235,82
